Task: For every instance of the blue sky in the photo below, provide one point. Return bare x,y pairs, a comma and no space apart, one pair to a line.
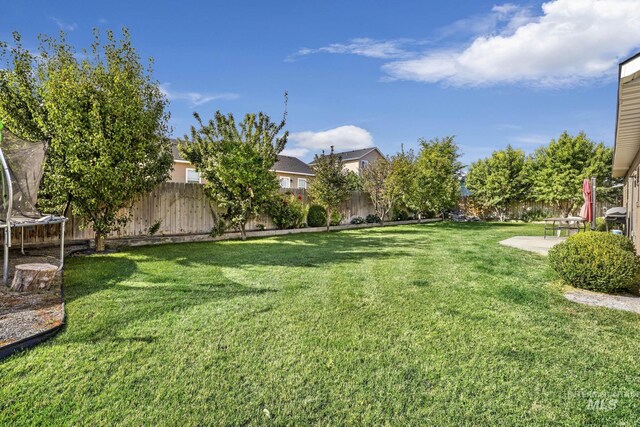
378,73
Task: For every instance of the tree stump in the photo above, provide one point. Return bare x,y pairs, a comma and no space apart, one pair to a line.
33,277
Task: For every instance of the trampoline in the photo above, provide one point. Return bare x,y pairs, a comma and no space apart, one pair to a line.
22,167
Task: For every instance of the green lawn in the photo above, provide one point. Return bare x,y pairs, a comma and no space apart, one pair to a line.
408,325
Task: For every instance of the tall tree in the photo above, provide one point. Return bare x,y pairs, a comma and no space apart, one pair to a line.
498,181
236,160
355,181
557,170
402,178
437,178
376,180
102,117
330,185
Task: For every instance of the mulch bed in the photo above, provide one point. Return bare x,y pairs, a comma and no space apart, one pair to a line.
24,314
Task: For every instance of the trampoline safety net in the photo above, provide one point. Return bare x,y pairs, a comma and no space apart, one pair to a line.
25,161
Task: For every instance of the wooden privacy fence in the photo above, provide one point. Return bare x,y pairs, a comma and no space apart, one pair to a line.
175,209
516,210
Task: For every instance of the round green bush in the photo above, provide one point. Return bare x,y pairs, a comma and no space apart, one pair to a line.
286,211
336,218
317,216
400,215
601,262
372,219
357,220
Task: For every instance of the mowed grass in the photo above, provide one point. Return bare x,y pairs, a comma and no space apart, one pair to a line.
429,324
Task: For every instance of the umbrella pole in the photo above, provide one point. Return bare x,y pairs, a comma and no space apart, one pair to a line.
593,203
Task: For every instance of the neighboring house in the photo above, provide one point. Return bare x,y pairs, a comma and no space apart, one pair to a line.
183,170
291,172
356,160
626,157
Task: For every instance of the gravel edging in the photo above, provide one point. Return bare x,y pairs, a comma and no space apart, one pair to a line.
28,318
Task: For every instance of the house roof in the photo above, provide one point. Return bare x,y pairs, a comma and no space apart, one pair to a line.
284,163
357,154
174,150
292,165
627,138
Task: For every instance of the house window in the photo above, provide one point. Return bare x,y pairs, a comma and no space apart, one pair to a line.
302,182
364,163
193,176
285,182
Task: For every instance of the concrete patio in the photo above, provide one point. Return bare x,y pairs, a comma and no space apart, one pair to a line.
536,244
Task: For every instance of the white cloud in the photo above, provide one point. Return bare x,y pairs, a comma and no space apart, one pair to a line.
195,98
63,25
572,42
295,152
381,49
530,139
342,138
504,18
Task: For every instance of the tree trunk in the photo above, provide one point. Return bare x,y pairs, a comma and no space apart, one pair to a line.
99,241
243,231
67,206
419,217
328,213
33,277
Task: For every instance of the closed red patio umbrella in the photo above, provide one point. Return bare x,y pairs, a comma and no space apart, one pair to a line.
586,211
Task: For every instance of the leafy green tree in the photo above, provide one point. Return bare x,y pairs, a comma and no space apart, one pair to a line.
376,182
387,180
102,117
236,161
557,170
355,181
437,177
402,177
498,181
330,185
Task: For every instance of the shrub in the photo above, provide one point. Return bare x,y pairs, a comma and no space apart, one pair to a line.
372,218
400,215
219,229
601,262
336,218
155,227
601,225
316,216
357,220
287,212
534,215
